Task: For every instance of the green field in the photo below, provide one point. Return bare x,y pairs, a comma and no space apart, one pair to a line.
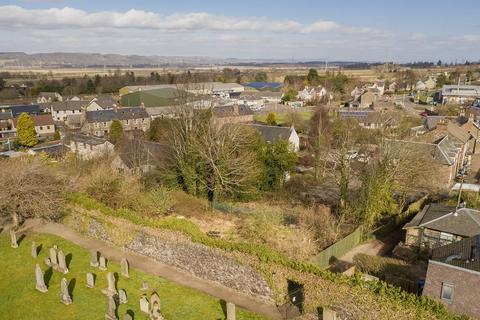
282,118
19,299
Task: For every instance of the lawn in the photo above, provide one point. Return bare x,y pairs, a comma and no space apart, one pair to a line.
282,118
19,299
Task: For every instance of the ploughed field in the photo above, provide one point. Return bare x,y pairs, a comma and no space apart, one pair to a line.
19,299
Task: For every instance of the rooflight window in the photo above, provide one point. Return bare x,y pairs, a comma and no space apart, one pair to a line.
447,292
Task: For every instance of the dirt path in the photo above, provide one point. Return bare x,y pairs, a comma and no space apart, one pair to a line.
157,268
377,247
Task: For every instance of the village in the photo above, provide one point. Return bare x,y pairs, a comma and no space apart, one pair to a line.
377,179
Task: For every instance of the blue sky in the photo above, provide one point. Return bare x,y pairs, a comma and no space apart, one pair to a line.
338,30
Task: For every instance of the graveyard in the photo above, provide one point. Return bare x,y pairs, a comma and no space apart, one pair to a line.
111,291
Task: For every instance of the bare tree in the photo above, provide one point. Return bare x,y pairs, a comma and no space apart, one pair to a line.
30,188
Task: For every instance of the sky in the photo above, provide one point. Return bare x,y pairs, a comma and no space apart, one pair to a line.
401,31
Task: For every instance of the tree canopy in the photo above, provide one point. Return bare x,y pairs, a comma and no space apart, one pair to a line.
27,136
116,131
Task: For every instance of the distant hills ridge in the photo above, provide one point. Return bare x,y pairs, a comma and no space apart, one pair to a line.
76,60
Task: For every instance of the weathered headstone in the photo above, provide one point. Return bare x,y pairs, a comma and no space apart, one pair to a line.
34,250
40,280
122,296
144,305
127,316
230,311
90,280
155,312
111,290
64,294
13,239
62,264
94,259
155,307
53,257
154,298
111,310
48,262
102,263
329,314
144,286
124,267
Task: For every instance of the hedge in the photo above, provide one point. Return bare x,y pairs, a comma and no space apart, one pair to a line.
268,255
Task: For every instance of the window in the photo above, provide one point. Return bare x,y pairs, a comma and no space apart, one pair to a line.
447,292
41,127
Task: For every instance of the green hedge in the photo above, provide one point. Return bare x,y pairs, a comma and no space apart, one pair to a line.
265,254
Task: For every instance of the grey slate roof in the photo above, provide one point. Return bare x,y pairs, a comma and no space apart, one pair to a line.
464,253
272,133
6,115
68,105
229,111
83,138
464,222
118,114
31,109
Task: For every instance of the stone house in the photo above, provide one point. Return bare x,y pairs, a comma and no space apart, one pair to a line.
430,83
98,122
231,115
453,276
139,156
44,125
45,97
60,110
88,147
272,134
367,99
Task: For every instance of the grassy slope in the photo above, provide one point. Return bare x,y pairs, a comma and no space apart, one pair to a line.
282,117
19,299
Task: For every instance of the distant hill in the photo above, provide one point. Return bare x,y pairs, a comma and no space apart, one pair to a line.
92,60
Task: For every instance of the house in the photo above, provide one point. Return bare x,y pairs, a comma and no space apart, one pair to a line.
420,86
453,275
101,103
447,156
98,122
378,87
367,99
392,87
44,125
45,97
60,110
430,83
200,88
272,134
88,147
140,156
312,94
367,119
31,109
437,224
356,93
54,149
460,93
232,114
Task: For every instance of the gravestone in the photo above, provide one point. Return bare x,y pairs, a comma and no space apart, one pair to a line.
53,258
40,280
127,316
34,250
62,264
64,295
94,259
329,314
90,280
111,310
103,263
144,286
48,262
230,311
124,267
13,239
111,290
155,307
122,296
144,305
155,312
154,298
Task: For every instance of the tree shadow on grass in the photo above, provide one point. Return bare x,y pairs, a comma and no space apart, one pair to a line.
48,275
68,259
71,286
39,248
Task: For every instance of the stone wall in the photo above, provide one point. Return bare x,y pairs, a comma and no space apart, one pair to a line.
197,259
